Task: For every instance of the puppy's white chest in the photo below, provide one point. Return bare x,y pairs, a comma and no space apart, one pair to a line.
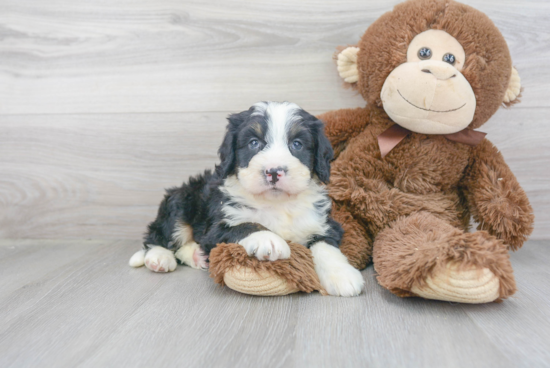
297,225
295,219
296,222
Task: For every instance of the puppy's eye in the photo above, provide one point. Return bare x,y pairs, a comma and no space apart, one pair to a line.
253,144
297,145
449,58
424,53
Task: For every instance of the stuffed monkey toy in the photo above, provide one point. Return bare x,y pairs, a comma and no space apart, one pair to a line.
410,170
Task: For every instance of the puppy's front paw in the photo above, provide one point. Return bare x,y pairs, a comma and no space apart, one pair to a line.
265,246
336,275
138,259
200,260
192,255
345,281
159,259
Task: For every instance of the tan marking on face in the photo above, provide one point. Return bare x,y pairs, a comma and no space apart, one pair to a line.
295,129
257,127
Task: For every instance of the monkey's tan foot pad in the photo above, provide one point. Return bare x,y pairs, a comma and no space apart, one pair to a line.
231,266
252,282
471,284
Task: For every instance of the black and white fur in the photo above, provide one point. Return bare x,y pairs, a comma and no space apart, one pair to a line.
269,188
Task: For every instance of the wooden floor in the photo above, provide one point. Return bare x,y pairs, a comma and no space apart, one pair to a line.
67,303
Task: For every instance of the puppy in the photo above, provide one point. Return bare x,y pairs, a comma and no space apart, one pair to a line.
267,190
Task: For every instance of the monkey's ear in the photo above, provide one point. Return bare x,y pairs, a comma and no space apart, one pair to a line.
514,88
347,64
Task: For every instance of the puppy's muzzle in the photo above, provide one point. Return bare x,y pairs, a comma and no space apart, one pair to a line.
273,175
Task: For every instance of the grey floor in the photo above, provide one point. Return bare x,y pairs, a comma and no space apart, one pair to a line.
67,303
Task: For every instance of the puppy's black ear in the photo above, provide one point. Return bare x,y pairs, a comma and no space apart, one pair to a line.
228,147
323,154
227,154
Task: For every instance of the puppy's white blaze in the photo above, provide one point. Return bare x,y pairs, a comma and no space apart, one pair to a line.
337,276
293,217
280,118
259,108
138,259
160,259
266,245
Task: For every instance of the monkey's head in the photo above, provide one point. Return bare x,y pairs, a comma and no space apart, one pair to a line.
435,66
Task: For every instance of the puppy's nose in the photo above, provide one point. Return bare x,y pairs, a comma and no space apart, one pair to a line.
274,174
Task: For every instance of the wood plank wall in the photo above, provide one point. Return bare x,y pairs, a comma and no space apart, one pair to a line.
104,104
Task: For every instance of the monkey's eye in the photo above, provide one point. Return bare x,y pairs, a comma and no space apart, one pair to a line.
424,53
253,144
449,58
297,145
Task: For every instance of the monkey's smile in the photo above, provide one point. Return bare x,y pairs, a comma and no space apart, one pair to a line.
421,108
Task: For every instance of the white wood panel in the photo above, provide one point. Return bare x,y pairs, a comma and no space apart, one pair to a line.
94,175
65,56
104,104
102,176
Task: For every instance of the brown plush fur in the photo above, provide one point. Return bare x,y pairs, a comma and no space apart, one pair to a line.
488,63
411,210
418,244
297,270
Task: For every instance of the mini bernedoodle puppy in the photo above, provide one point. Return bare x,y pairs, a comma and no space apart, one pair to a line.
268,188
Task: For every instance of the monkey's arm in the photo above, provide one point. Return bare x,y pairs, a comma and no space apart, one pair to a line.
495,198
342,125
